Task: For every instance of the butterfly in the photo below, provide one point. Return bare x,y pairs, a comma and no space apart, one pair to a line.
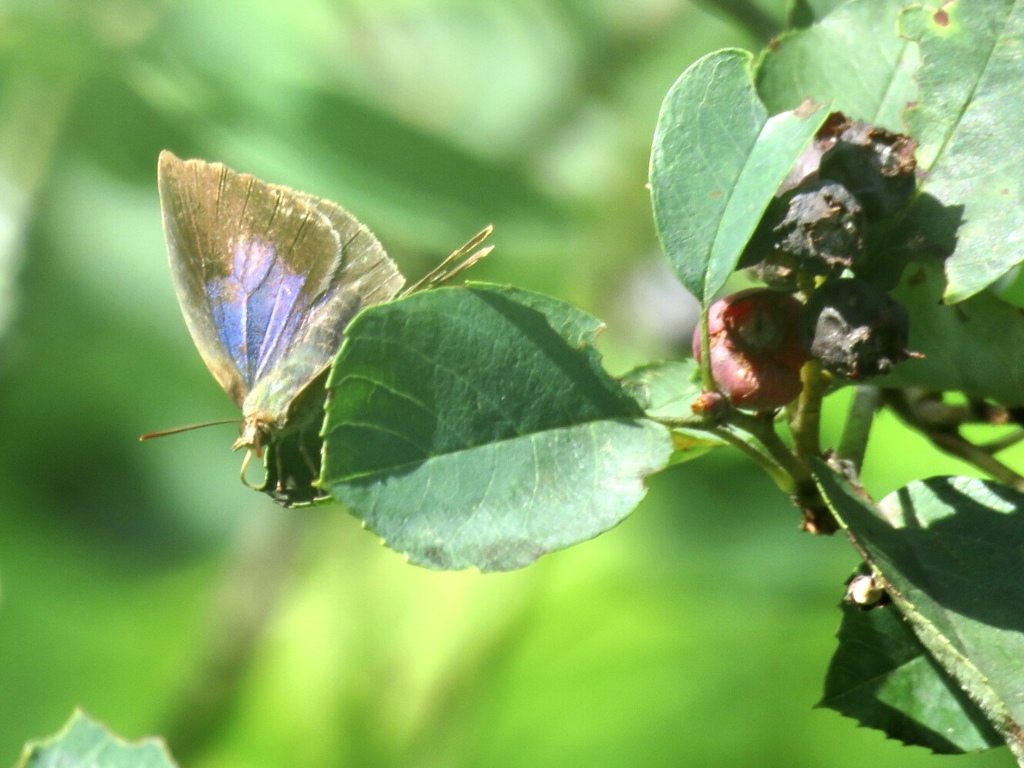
268,279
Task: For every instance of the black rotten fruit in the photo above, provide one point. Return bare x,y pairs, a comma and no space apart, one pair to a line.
855,329
837,209
814,229
877,166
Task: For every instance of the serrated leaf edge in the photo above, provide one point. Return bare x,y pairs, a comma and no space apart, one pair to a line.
959,668
79,715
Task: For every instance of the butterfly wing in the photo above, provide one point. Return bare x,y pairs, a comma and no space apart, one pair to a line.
363,275
267,278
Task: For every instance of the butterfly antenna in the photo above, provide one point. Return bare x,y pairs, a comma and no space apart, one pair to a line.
459,261
189,428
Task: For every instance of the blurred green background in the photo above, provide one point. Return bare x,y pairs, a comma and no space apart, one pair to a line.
146,584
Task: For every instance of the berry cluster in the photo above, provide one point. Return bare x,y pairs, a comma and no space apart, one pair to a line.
807,248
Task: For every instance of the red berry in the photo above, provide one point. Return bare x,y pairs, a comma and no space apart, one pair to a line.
756,348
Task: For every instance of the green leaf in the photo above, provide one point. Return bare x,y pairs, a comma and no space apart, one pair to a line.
475,427
973,347
666,390
716,163
883,677
950,552
84,743
967,123
854,58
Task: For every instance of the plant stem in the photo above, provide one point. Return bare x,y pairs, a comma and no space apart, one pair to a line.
705,352
1002,443
854,442
776,459
940,424
806,421
764,430
790,473
818,518
782,478
964,449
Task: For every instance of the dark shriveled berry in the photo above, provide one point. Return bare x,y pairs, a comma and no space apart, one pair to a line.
756,348
889,157
855,329
814,229
876,165
806,168
830,213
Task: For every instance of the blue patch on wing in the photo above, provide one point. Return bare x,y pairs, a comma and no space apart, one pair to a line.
255,308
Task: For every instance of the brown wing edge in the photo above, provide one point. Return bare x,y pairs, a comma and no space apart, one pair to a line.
178,204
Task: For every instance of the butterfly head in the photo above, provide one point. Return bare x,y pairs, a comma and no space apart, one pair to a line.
256,431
